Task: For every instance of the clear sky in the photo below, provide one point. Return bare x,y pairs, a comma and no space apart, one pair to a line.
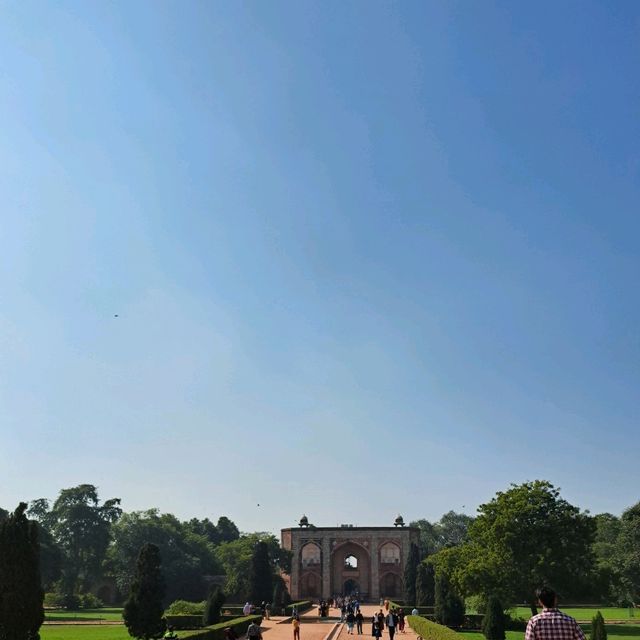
366,257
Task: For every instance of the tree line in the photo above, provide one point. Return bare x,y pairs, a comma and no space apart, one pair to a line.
524,537
86,543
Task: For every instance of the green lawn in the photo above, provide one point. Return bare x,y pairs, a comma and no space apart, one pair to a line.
609,613
614,631
83,632
85,614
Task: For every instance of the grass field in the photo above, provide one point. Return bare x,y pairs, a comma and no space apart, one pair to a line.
83,632
614,631
608,613
85,614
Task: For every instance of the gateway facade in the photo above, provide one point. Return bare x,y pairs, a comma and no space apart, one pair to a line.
347,560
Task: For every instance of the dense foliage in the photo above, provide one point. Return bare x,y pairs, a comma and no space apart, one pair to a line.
143,611
410,575
449,606
21,595
526,536
493,623
425,585
187,555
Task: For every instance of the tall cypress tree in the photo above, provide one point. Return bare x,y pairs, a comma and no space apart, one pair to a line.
425,585
493,621
598,630
410,575
212,608
143,612
21,594
261,575
449,607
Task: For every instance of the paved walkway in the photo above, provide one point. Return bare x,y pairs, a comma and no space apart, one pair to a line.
310,629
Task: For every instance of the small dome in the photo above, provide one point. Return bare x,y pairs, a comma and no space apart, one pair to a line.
399,521
304,521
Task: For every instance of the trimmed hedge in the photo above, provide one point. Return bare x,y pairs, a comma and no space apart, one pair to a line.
184,621
216,631
431,630
302,606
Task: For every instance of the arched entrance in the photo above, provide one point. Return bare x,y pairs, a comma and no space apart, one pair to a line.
350,569
390,585
351,588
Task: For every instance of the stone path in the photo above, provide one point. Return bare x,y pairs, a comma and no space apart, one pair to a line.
281,629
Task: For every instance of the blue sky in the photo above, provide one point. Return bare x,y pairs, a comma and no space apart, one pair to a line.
367,257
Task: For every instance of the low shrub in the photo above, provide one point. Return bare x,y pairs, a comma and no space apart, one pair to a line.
216,631
431,630
185,608
90,601
184,621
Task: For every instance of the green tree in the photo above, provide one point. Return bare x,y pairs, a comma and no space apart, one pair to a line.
213,606
425,585
598,630
628,554
21,595
227,530
526,536
143,612
428,543
261,574
236,558
493,627
449,606
80,526
281,597
186,556
452,529
410,576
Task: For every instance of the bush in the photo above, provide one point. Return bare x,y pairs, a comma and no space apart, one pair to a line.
90,601
598,630
69,601
184,621
432,631
493,623
185,608
216,631
51,600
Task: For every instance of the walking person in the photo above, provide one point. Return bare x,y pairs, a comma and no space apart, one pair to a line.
392,623
552,624
401,621
295,623
359,621
381,621
376,632
351,619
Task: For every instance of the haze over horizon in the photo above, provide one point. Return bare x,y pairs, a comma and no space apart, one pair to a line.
345,260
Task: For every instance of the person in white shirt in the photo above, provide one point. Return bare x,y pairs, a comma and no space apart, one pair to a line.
415,612
246,610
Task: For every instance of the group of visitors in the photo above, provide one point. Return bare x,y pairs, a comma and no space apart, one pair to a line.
265,609
393,621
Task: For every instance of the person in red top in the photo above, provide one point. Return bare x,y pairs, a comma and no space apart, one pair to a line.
552,624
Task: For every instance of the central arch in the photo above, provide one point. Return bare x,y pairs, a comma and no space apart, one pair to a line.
351,568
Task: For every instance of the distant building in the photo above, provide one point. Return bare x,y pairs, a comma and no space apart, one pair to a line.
367,561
